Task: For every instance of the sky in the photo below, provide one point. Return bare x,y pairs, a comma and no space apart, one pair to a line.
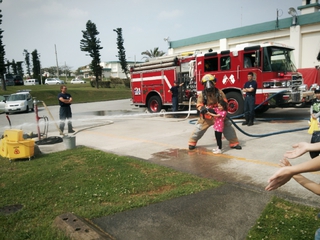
54,27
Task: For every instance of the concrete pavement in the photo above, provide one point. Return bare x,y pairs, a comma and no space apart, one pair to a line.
224,213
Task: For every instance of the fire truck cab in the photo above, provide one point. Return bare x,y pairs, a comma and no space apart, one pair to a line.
279,83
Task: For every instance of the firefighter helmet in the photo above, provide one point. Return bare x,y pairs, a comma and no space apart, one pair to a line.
209,81
208,77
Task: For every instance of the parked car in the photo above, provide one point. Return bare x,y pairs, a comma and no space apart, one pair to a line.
53,81
76,81
18,80
19,102
31,82
9,79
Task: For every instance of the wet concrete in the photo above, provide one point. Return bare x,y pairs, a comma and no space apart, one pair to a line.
108,112
199,161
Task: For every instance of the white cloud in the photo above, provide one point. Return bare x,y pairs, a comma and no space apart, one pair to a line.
77,13
165,15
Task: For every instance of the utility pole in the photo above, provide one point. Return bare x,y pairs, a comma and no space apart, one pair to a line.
39,55
65,70
57,61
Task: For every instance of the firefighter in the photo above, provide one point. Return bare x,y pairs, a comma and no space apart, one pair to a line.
206,101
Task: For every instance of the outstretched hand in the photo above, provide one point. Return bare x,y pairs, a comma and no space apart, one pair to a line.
281,177
284,163
299,149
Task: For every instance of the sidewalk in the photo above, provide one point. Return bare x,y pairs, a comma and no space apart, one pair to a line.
227,212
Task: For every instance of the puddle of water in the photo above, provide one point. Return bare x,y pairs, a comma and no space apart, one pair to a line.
200,161
110,112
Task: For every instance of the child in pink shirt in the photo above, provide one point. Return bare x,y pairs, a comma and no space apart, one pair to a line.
219,115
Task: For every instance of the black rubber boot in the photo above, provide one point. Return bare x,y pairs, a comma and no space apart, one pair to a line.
250,123
191,147
246,121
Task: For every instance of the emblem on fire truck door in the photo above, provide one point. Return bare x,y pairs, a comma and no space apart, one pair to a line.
230,79
137,91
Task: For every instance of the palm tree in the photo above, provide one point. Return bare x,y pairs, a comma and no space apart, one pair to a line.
152,54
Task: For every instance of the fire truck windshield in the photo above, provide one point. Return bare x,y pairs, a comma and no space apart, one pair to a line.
277,59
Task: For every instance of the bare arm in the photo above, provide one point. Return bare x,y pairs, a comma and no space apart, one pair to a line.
303,181
248,89
65,100
214,115
284,174
301,148
308,184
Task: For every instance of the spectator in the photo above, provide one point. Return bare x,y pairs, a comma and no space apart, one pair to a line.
175,93
65,101
249,88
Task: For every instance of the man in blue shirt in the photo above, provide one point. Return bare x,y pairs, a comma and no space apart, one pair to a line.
65,101
249,88
175,93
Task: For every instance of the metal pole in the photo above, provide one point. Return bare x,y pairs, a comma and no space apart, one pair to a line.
57,61
37,116
40,69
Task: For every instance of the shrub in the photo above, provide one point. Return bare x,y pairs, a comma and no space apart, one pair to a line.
101,84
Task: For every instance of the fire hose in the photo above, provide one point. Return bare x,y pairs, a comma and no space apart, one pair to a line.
259,135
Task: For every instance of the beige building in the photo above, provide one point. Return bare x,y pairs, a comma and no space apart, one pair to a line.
301,31
109,69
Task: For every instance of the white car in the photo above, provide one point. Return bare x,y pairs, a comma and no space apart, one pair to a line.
31,82
19,102
53,81
76,81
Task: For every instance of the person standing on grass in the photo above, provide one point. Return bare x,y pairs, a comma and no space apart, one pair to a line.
65,113
175,93
219,117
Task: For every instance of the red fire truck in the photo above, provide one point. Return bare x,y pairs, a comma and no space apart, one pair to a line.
279,83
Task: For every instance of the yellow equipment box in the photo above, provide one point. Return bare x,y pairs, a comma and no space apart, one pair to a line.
13,135
21,149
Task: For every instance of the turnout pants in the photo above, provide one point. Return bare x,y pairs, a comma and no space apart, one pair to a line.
203,124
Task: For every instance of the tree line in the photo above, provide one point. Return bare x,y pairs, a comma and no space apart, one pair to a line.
90,44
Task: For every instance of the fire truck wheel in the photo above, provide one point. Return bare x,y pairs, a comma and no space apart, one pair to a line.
235,104
154,104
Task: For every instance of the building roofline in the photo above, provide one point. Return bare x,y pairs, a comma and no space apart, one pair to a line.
285,23
316,5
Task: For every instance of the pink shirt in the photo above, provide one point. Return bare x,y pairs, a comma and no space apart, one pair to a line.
219,121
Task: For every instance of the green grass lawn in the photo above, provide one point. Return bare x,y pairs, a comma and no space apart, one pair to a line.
88,182
81,93
283,220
